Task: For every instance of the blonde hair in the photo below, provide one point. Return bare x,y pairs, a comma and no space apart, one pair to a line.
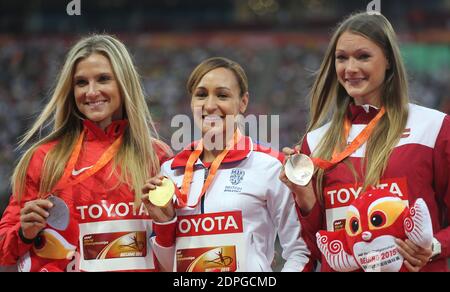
136,157
329,99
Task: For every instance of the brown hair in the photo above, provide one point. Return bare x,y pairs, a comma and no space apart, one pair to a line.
213,63
329,98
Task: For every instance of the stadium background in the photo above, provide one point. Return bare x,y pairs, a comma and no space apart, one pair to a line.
280,44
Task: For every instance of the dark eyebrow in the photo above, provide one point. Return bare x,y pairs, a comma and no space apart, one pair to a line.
362,50
357,51
217,88
75,77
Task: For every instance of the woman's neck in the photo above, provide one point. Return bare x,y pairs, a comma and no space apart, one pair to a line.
106,122
212,147
103,124
373,101
208,156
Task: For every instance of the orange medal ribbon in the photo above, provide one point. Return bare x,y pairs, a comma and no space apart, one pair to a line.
103,160
182,194
354,145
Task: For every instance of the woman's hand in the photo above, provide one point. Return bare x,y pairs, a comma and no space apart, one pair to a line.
304,196
416,257
33,217
158,214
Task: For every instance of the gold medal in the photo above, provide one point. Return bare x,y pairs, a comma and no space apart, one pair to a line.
162,194
299,169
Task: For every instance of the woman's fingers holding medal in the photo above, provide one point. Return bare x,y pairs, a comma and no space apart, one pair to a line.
301,173
290,151
287,152
159,206
152,183
33,217
157,213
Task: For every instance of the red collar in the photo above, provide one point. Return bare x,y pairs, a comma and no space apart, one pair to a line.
114,130
234,155
361,114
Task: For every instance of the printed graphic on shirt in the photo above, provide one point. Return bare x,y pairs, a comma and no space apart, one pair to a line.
209,224
107,210
339,197
211,242
236,177
209,259
114,245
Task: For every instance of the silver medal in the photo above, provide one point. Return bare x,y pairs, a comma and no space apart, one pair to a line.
299,169
59,214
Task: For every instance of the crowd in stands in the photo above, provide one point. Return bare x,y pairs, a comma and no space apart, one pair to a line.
280,74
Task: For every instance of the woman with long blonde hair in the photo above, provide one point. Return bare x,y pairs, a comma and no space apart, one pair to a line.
92,164
364,133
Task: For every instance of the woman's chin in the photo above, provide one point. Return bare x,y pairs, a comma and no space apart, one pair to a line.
212,131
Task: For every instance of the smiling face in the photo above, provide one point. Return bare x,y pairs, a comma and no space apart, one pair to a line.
361,68
215,97
96,90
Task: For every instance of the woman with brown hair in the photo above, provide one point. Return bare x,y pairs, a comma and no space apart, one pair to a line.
364,133
230,205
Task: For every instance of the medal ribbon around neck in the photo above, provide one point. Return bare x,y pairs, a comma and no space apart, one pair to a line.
353,146
182,194
104,159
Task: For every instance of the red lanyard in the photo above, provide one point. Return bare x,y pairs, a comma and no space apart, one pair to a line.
103,160
182,194
356,143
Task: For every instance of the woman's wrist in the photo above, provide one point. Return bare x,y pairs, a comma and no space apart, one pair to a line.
305,198
305,204
164,220
23,238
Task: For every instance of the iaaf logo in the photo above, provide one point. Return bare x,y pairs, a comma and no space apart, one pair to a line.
208,224
343,195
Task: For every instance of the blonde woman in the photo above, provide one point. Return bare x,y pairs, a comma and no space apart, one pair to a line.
89,170
374,138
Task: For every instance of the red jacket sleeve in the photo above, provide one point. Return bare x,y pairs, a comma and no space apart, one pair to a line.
11,246
441,160
312,222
